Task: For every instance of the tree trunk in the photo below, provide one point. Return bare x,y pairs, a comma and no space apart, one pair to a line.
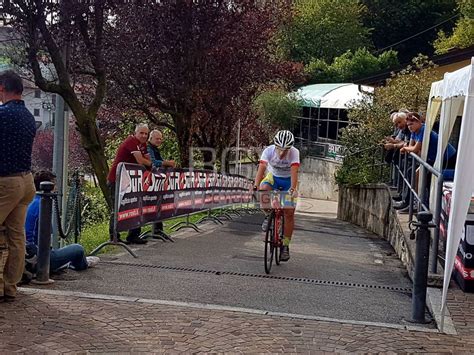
94,147
184,140
207,155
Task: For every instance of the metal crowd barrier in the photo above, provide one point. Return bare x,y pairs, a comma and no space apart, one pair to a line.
405,177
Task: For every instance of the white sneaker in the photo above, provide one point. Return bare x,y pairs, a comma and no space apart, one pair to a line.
92,261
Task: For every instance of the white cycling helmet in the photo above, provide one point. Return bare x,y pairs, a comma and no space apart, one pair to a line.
284,139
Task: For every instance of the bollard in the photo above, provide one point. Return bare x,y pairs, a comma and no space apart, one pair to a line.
420,278
44,235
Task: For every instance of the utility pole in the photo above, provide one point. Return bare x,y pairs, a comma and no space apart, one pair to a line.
60,154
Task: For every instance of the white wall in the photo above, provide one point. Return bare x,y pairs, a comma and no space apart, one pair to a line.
316,179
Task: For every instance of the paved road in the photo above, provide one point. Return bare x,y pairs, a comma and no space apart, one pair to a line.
39,323
147,308
336,270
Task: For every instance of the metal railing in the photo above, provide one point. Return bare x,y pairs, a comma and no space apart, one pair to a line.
406,181
403,176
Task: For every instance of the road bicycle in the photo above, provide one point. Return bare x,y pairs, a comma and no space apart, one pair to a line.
274,232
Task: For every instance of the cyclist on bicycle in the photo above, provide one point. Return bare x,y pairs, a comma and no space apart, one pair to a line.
278,170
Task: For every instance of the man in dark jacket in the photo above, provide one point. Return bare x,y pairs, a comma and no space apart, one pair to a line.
17,132
154,143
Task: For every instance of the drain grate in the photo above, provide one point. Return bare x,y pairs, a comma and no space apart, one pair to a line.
265,276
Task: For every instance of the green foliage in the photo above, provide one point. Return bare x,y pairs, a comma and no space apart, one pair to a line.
370,121
95,208
5,60
277,108
462,37
323,29
169,148
410,88
95,234
394,21
350,65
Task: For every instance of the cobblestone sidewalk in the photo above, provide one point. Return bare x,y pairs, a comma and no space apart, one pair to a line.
41,322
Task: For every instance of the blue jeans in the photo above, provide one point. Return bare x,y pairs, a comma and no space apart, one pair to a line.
73,254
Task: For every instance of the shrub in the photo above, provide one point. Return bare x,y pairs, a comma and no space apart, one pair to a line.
95,208
371,123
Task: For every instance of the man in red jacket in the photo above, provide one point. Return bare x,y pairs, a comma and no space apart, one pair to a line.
132,150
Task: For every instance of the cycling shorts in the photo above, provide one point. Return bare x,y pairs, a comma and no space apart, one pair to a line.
282,184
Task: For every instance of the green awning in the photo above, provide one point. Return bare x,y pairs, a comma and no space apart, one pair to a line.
312,95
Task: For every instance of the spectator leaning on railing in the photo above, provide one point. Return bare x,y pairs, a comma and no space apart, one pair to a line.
417,129
17,132
132,150
402,137
154,143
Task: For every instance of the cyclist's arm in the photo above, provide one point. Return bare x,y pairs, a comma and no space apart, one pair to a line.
294,176
262,167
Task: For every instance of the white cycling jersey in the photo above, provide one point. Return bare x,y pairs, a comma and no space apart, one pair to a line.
280,167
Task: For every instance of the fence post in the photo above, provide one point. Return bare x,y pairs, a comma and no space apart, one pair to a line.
405,171
44,235
437,221
420,277
412,186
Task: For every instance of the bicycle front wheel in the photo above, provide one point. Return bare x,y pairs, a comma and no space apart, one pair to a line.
278,236
269,244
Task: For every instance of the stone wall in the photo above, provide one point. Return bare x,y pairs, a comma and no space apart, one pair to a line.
317,179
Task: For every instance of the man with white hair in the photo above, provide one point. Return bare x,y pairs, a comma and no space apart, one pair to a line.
399,120
133,150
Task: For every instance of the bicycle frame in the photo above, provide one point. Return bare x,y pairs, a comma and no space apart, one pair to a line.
274,233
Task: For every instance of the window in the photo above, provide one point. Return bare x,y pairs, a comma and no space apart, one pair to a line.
37,93
322,124
304,129
343,115
36,112
53,99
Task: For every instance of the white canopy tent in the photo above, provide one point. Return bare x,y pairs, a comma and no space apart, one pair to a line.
454,95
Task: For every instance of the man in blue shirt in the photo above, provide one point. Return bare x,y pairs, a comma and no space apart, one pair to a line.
17,132
72,255
418,129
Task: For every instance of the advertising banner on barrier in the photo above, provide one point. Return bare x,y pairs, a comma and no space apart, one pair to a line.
145,196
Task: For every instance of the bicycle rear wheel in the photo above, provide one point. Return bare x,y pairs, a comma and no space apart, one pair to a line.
269,244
